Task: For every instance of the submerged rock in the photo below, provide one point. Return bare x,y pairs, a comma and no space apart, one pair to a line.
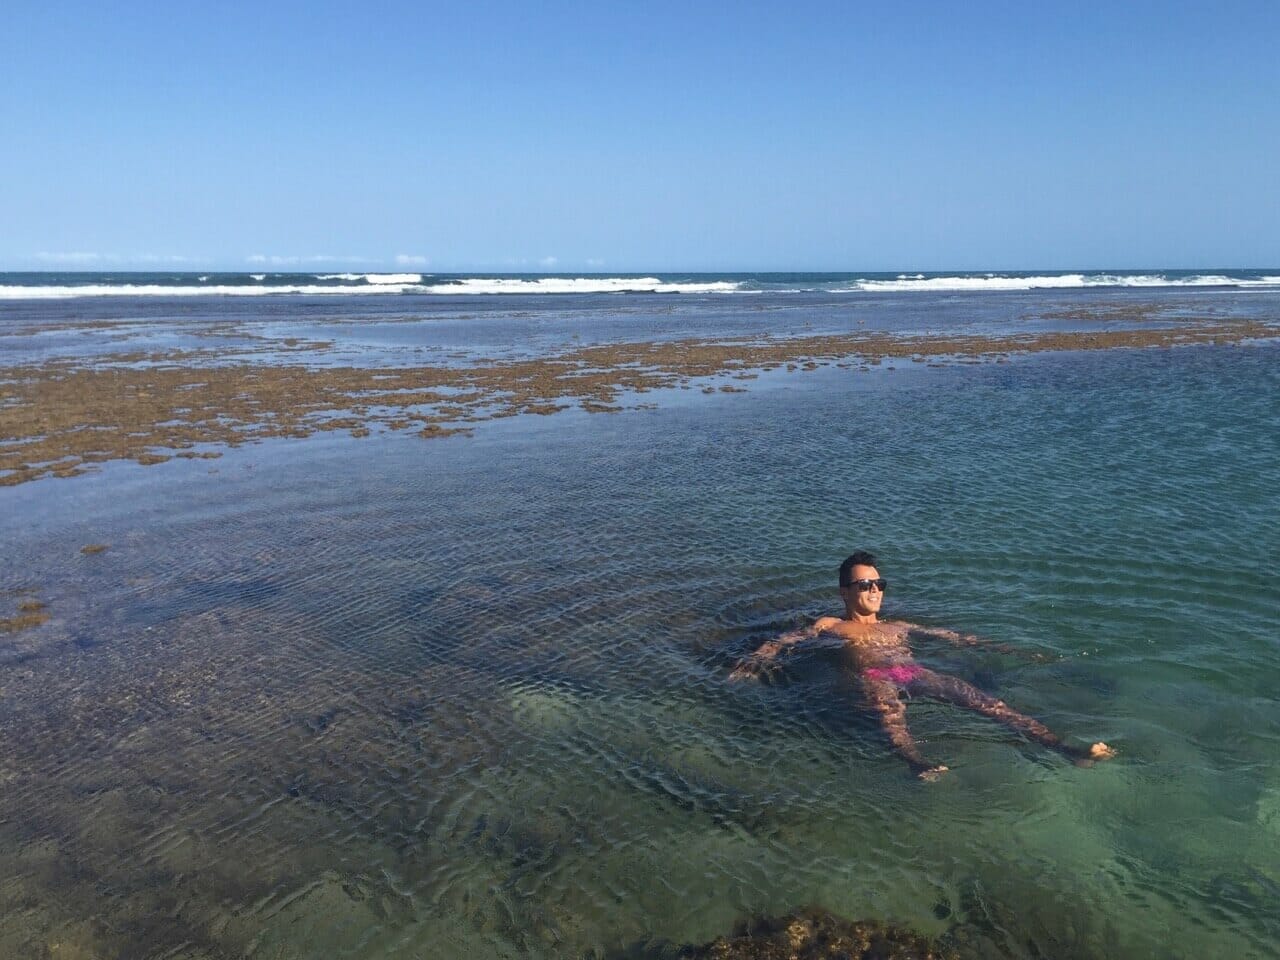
815,934
31,613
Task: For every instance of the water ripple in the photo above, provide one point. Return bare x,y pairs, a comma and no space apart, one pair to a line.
404,699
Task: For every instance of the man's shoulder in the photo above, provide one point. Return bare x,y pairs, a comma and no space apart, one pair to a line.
826,623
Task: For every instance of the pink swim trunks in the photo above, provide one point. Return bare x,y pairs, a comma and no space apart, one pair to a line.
902,674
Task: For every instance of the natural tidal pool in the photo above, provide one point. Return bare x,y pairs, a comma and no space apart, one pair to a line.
381,697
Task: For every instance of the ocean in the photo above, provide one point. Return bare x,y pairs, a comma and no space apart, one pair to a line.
385,694
22,286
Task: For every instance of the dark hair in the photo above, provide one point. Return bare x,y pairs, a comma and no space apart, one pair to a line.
860,559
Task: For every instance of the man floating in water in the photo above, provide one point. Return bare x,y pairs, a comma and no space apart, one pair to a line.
886,669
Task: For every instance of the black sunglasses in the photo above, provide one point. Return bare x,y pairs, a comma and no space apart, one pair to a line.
862,586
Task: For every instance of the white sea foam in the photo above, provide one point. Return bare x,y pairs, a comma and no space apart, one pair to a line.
376,284
395,283
956,284
994,282
159,290
476,285
375,278
393,278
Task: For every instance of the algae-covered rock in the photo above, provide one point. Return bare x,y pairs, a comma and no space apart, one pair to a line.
815,934
31,613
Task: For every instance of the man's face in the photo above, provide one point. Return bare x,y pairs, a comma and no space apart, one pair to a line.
862,596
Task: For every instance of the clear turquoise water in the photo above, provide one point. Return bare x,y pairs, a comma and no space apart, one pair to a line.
388,698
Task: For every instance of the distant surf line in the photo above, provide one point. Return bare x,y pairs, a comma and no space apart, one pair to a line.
366,284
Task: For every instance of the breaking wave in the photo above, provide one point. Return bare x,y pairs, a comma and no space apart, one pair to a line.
1067,281
208,290
62,286
375,278
331,284
581,285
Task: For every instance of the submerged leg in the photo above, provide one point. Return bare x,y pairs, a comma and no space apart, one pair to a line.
957,691
882,697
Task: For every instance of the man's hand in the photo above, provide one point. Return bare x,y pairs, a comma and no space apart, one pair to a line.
761,663
752,668
763,660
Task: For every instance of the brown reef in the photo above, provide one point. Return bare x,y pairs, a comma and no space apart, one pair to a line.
61,417
816,934
31,613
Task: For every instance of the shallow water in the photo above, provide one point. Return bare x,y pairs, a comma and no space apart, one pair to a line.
389,698
396,330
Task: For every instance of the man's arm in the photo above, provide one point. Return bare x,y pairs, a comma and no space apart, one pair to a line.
972,640
761,661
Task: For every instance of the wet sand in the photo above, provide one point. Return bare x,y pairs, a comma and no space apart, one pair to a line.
61,417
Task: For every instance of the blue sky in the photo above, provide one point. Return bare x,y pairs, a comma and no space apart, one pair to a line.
624,136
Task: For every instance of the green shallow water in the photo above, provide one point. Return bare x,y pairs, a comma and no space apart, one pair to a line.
390,698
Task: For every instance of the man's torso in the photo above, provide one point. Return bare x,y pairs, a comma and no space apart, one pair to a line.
870,644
